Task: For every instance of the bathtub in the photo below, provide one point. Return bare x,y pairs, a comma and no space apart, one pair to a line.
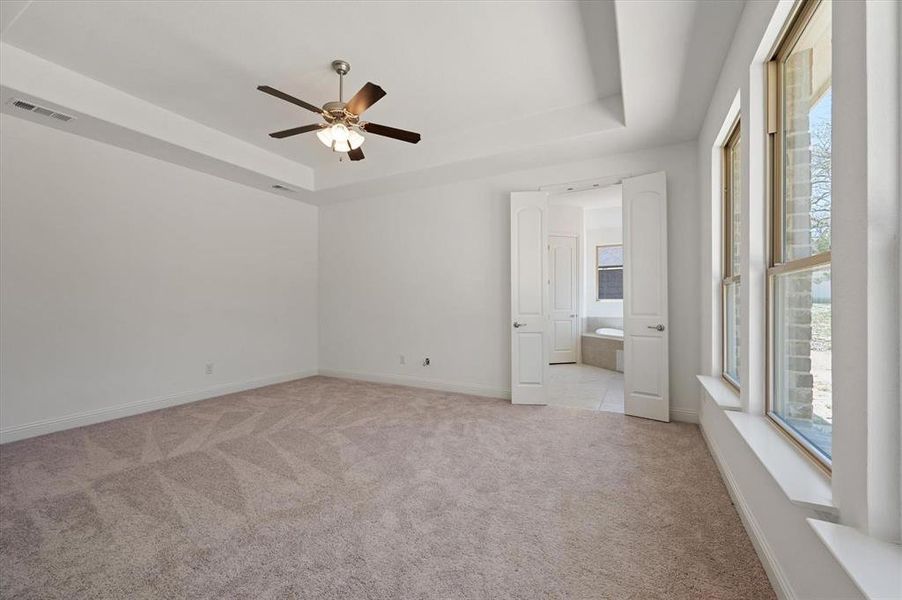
609,333
603,348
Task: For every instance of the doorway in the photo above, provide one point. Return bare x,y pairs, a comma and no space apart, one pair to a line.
619,329
585,286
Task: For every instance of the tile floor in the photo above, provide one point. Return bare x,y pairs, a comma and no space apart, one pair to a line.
585,386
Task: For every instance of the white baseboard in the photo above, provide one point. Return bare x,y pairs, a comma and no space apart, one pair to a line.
775,574
676,414
683,414
89,417
418,382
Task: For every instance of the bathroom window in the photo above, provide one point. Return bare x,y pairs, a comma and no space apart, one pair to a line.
609,262
800,398
732,207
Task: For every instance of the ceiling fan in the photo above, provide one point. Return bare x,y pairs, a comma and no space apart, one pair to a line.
343,130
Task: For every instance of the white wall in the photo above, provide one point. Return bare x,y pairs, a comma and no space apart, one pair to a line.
604,227
123,276
565,220
426,273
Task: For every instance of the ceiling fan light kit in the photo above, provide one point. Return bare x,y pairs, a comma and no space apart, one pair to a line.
340,138
343,130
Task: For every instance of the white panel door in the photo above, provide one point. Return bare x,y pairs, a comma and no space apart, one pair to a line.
529,214
645,335
563,297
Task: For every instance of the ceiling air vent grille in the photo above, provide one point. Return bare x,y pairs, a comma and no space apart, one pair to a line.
46,112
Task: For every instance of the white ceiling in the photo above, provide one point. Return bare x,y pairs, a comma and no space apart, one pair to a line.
488,84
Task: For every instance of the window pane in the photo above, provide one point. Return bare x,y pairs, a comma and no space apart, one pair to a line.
735,205
610,256
610,284
731,331
807,131
803,396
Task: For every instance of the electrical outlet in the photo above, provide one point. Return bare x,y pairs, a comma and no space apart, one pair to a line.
426,362
401,359
209,369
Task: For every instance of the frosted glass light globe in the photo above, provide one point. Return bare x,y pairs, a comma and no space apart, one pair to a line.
325,136
340,132
355,139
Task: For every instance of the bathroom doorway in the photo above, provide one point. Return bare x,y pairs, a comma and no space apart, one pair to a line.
585,292
641,314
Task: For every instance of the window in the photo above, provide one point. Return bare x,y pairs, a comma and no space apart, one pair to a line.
800,396
609,260
732,206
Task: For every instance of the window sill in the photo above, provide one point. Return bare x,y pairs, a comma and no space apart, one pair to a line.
720,392
804,484
873,565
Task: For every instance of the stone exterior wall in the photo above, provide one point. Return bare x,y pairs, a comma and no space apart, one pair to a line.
796,288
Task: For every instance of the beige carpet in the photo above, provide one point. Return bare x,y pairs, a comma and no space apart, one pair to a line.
324,488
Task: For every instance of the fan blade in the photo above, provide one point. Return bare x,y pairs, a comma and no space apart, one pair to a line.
289,132
356,154
283,96
367,96
392,132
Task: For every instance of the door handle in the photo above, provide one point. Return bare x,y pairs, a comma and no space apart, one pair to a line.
519,324
658,327
571,316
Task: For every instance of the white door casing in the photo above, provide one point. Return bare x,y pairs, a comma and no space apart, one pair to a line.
529,215
563,298
645,323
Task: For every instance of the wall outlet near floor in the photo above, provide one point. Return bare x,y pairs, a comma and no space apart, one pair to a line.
209,369
402,360
426,362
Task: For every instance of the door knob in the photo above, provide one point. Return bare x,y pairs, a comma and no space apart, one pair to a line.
658,327
519,324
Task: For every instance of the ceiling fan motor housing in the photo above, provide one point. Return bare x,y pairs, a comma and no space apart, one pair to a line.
337,111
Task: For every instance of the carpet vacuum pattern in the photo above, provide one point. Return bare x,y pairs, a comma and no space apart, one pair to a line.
327,488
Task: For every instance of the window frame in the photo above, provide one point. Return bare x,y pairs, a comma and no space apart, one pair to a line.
598,268
727,276
776,263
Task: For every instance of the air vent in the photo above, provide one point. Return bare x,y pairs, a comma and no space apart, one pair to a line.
46,112
283,188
